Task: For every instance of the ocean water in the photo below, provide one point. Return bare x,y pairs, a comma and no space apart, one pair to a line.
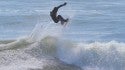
92,40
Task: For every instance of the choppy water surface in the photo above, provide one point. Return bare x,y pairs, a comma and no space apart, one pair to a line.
93,39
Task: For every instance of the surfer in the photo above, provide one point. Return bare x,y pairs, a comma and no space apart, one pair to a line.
58,18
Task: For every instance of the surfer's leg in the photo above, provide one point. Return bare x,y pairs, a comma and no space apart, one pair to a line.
60,18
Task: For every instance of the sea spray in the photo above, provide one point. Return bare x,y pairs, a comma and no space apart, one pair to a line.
99,55
89,56
42,30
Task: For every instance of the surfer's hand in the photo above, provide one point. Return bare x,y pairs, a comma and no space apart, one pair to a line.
65,3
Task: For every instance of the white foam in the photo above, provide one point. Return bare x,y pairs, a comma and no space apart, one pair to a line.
103,55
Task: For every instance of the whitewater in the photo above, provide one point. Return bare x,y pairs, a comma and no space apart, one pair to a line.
92,40
43,49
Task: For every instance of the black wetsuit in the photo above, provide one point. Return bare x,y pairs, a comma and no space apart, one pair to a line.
53,15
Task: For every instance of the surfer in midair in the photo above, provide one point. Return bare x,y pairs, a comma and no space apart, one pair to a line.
56,18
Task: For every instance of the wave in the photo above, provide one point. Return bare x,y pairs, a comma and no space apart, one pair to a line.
93,55
105,56
44,47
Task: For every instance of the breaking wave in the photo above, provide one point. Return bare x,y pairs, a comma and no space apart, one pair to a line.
45,50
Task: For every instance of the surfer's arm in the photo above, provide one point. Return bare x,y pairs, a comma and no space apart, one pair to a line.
62,5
